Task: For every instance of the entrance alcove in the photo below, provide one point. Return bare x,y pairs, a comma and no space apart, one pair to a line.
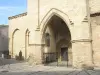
57,40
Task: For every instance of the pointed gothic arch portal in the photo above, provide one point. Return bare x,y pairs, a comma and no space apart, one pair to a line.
58,44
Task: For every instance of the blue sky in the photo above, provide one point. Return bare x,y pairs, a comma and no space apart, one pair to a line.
10,8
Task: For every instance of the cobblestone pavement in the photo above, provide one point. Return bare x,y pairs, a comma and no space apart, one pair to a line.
25,69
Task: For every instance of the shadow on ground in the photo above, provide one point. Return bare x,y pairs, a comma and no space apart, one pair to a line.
25,69
82,72
4,61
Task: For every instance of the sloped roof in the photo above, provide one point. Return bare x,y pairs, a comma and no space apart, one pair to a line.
19,15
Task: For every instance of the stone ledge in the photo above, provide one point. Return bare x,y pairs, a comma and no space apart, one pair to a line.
36,44
16,16
37,29
85,19
95,14
81,40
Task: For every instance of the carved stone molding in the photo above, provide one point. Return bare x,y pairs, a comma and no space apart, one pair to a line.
16,16
85,19
36,44
95,14
81,40
71,22
37,29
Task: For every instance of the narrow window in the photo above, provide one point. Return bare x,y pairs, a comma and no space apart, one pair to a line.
47,39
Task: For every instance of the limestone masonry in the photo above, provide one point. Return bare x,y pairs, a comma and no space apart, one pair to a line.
57,30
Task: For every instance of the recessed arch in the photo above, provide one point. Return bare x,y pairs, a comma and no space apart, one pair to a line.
27,31
13,39
50,14
14,31
59,23
26,41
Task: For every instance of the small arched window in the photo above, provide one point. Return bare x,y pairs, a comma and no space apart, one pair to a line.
47,39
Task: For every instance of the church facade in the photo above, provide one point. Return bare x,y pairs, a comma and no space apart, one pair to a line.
57,30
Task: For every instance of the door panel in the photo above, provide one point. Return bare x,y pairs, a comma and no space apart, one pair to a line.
64,54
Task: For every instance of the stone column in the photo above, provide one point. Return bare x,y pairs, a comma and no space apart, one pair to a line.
82,52
81,37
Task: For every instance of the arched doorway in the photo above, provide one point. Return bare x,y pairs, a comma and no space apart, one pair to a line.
57,40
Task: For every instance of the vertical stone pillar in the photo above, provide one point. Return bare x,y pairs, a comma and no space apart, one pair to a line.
82,53
81,43
38,47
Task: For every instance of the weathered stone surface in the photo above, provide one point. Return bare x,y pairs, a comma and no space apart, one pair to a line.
27,31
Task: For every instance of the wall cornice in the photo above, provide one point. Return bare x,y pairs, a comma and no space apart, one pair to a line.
17,16
95,14
81,40
36,44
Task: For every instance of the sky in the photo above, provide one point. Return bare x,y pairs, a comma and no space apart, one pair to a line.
11,8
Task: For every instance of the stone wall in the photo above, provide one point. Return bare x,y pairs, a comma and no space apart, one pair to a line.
95,23
17,29
94,6
39,12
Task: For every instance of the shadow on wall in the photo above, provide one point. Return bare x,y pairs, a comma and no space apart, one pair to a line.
20,56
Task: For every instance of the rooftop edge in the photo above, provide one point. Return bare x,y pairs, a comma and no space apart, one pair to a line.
16,16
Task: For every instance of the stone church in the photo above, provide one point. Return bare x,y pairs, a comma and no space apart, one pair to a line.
57,30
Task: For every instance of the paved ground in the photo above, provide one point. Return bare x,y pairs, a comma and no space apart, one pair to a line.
25,69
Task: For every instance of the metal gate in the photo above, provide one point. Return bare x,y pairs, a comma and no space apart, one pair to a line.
51,59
